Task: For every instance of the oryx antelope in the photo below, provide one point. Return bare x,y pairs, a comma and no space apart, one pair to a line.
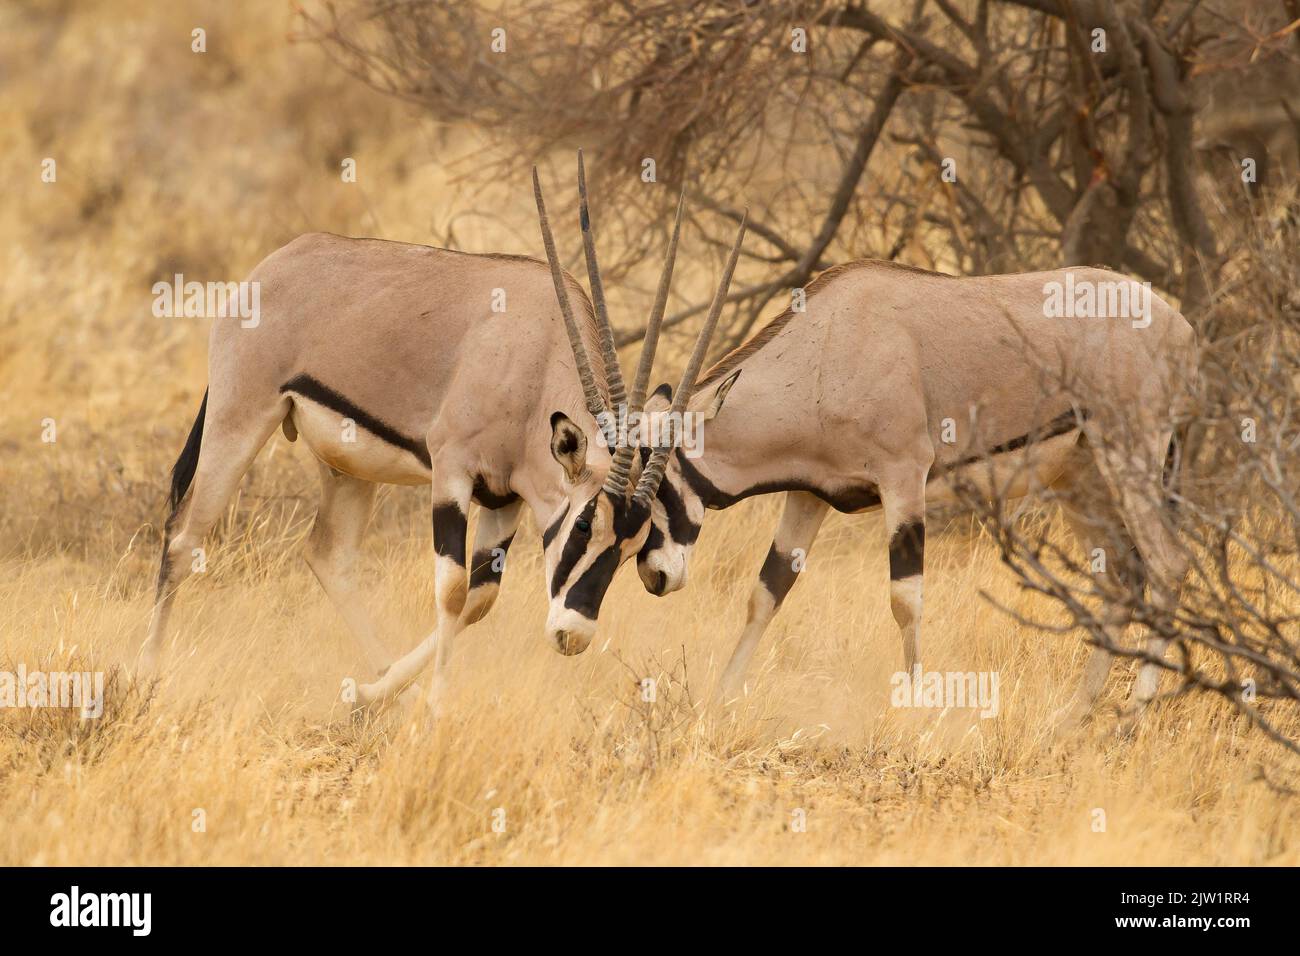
843,406
397,347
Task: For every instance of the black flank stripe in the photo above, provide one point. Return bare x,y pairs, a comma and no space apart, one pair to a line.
490,499
848,501
851,500
701,486
449,532
907,550
1060,425
589,590
778,574
309,388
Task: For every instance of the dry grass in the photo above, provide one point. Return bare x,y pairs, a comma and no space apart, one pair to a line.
248,728
173,162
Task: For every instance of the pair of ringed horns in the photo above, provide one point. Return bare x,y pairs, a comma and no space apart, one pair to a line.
619,476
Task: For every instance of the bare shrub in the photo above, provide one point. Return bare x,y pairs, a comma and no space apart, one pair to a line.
1001,136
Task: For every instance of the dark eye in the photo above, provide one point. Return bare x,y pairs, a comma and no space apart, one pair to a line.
583,525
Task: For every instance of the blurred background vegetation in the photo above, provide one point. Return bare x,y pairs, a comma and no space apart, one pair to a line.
172,161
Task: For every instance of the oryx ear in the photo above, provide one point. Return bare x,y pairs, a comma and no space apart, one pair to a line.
720,395
568,445
660,400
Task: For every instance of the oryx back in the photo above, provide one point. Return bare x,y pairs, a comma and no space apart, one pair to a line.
376,349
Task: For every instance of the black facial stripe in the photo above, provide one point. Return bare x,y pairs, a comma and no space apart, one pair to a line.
778,574
481,568
449,532
680,526
629,517
574,548
308,387
907,550
589,590
554,528
653,542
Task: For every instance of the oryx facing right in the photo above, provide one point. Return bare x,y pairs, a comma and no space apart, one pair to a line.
401,343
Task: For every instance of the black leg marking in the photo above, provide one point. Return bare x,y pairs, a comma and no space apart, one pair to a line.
1131,571
164,570
778,574
483,568
308,387
449,532
907,550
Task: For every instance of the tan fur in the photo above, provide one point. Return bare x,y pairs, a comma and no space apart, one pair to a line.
883,355
740,353
858,394
406,333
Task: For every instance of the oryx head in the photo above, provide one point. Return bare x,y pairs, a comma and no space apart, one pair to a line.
679,510
602,525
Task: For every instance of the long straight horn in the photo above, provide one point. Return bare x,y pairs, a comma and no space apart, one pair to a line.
620,469
648,486
595,403
613,371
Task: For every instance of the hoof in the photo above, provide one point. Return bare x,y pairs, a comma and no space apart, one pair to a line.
364,706
1127,728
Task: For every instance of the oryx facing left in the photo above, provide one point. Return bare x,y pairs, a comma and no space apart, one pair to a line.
397,347
845,403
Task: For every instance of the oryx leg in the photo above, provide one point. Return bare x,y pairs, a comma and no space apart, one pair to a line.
451,500
1105,548
902,493
1136,481
492,539
794,537
332,550
232,437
